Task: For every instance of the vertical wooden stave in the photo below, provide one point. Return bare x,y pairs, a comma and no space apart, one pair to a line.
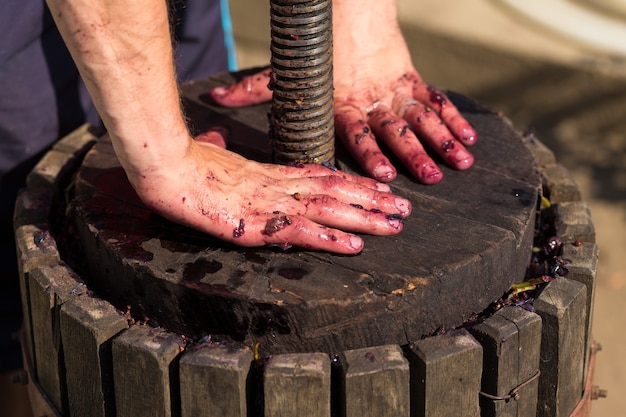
213,381
49,288
88,326
446,375
511,341
562,307
142,359
376,382
297,384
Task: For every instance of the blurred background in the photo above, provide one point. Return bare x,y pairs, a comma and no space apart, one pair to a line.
557,66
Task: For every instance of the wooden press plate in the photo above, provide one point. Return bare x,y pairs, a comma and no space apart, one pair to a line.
468,239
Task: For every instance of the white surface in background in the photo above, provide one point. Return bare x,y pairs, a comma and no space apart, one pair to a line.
581,23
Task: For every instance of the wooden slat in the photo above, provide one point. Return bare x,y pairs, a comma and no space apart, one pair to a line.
562,307
583,268
542,154
560,184
573,222
376,382
48,169
79,140
297,385
52,170
144,385
87,327
213,381
511,341
445,373
34,245
49,288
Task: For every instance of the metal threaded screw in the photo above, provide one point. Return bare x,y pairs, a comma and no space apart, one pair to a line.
302,116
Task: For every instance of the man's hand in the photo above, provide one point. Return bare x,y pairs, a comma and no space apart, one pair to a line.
124,54
379,97
253,204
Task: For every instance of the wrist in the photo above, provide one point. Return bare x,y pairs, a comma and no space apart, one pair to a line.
363,22
148,154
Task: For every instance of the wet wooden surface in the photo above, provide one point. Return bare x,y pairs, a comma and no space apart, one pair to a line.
467,240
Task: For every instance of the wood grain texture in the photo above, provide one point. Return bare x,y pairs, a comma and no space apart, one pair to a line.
446,372
376,382
511,341
297,384
573,221
562,307
35,246
583,267
145,371
560,184
87,328
50,287
213,381
33,208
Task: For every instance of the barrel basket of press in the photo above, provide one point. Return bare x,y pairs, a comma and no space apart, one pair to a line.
127,314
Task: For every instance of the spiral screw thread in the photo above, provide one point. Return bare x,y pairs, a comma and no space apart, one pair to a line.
302,117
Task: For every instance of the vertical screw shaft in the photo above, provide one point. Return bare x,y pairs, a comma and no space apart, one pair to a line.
302,117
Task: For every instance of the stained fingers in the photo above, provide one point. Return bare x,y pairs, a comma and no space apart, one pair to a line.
285,231
326,170
399,136
352,128
316,228
252,89
428,126
447,112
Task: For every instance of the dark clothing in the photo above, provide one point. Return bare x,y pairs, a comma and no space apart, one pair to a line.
42,99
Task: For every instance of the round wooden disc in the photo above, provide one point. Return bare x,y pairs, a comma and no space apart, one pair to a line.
468,239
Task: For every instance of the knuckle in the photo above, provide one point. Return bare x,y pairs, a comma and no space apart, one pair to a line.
332,181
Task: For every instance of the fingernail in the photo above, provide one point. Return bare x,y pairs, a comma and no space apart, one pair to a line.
430,174
403,205
395,223
463,160
219,92
384,173
356,243
469,136
470,139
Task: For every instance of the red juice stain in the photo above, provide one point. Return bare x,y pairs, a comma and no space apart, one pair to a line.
240,230
437,97
276,224
448,145
195,271
254,256
292,273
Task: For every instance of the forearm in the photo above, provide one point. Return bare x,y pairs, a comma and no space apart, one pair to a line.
365,33
124,54
360,23
364,15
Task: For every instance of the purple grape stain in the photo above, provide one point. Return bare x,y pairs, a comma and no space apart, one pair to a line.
240,230
448,145
195,271
276,224
292,273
